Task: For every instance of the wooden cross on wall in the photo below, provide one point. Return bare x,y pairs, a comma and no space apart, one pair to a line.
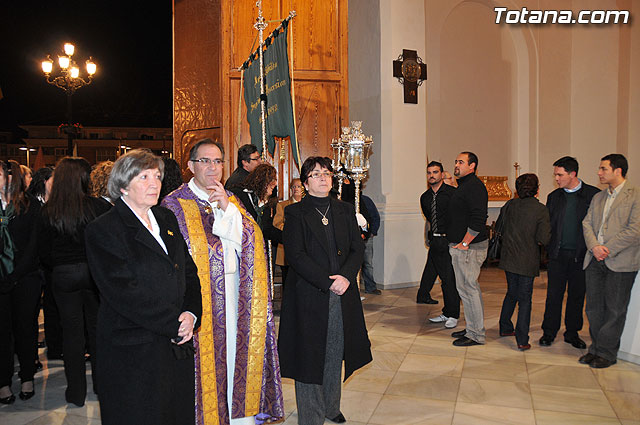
410,71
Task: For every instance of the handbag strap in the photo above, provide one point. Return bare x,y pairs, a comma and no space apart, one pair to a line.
500,223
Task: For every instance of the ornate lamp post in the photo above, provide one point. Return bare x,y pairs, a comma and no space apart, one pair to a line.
67,77
351,152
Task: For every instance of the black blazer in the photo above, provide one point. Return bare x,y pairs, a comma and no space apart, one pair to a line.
143,290
305,303
557,203
141,287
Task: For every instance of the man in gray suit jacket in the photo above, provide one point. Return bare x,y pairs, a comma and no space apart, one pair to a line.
612,235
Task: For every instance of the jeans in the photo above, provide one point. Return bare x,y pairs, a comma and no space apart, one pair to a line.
439,264
608,295
77,299
466,265
367,266
564,272
519,290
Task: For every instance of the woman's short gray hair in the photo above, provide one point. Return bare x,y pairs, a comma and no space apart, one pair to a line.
129,166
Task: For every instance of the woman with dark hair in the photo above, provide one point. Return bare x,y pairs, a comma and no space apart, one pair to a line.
41,184
172,177
526,227
255,190
322,322
255,193
64,219
40,189
20,282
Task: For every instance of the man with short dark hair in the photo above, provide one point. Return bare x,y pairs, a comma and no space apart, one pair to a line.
248,160
612,236
567,206
435,203
467,235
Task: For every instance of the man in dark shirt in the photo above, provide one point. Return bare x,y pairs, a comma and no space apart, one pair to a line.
248,160
467,235
567,205
370,286
434,203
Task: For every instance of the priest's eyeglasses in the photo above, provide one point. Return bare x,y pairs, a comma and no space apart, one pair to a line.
318,174
209,161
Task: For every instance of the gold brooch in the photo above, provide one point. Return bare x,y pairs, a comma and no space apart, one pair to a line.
208,209
170,232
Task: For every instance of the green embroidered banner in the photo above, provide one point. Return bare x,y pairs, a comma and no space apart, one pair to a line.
279,109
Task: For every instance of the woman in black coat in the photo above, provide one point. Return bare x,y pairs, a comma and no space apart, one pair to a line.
149,301
64,218
322,322
526,227
20,282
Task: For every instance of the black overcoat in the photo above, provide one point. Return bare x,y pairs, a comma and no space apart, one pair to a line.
143,378
305,303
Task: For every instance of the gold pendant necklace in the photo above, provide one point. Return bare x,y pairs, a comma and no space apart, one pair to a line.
325,220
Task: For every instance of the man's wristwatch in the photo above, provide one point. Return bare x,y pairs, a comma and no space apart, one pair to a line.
464,244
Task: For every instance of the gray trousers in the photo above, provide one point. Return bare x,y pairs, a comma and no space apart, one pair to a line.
317,402
466,266
608,295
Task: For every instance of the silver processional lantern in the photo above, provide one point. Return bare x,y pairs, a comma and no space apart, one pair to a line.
351,154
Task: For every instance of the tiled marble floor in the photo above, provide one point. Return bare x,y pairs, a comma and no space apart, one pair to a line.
418,377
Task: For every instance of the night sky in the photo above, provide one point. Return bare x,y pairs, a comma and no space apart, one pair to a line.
131,42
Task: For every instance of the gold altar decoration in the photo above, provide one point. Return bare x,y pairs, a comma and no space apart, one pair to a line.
497,187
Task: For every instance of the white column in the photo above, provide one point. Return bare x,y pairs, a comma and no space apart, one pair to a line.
378,32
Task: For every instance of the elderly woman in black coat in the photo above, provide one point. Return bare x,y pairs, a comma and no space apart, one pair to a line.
150,301
322,322
526,227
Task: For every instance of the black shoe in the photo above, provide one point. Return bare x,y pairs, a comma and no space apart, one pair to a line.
459,334
8,400
26,395
576,342
340,419
374,292
600,362
546,340
587,358
426,301
465,342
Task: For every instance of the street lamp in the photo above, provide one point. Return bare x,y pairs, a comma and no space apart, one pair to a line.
27,149
67,77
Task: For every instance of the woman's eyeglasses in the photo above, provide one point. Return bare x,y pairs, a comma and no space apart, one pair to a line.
318,174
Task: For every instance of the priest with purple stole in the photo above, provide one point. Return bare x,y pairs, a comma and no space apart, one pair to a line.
237,369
